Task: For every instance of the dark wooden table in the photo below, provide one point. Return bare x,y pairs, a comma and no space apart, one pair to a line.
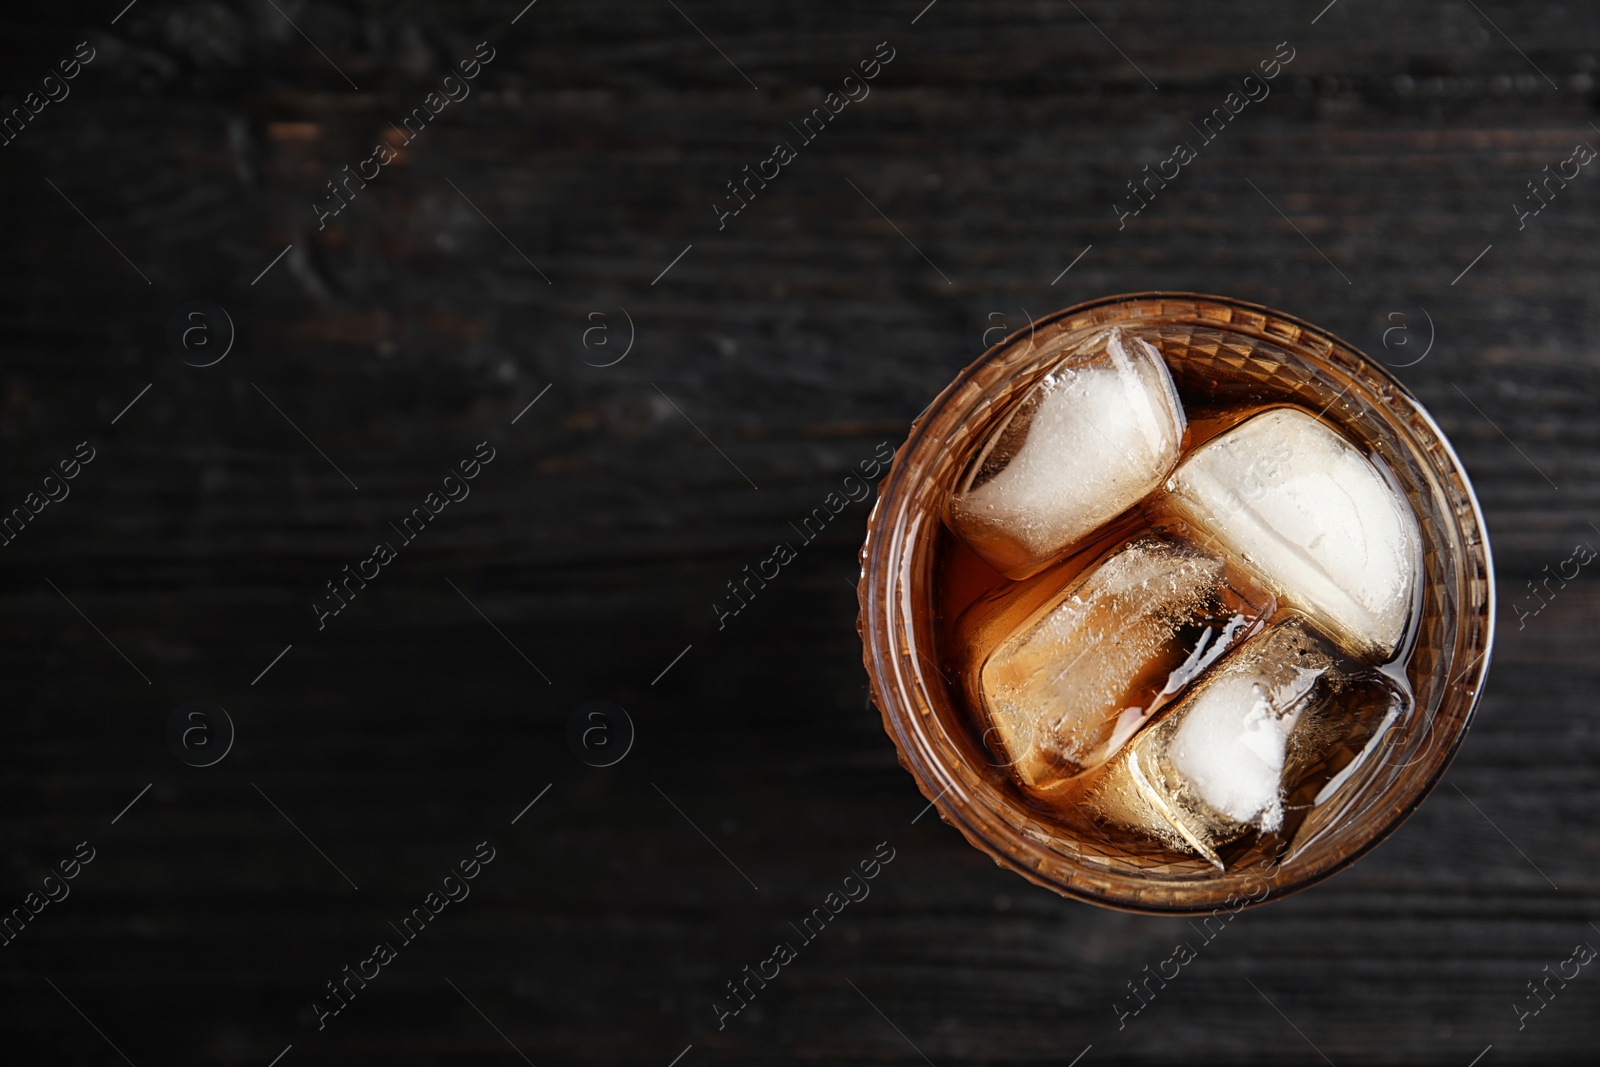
572,199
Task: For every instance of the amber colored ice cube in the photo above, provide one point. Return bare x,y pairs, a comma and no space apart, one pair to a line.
1065,671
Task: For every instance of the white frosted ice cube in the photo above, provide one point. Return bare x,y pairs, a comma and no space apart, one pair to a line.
1211,768
1252,747
1231,745
1086,443
1313,518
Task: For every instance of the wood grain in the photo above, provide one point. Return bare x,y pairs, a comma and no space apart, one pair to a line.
796,339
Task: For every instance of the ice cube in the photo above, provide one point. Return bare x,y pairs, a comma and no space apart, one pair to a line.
1258,736
1065,670
1334,746
1313,518
1093,437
